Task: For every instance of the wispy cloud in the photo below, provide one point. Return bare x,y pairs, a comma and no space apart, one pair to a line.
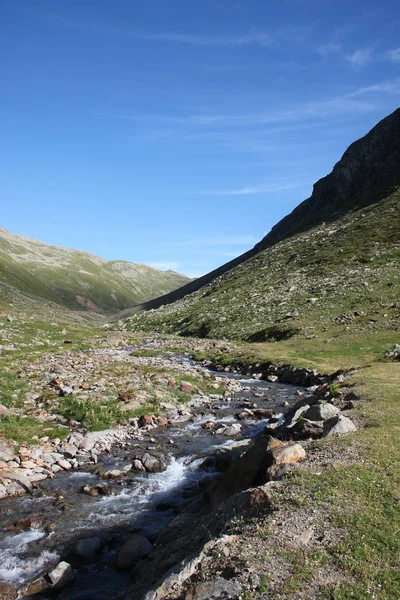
360,58
165,265
385,87
253,189
251,37
352,102
394,55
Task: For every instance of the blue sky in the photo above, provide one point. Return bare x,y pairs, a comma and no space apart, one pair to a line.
177,133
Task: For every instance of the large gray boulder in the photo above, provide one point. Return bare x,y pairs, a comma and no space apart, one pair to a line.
133,550
338,425
87,547
321,412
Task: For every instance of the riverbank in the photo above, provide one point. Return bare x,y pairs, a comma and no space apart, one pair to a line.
334,534
332,530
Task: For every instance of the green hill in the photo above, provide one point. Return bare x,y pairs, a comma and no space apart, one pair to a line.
32,272
331,267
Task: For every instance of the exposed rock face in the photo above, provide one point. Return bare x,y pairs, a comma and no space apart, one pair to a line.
370,166
258,465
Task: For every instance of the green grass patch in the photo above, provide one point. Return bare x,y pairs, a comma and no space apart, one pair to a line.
26,429
95,415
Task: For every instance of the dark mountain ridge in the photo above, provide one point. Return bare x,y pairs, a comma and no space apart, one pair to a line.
368,171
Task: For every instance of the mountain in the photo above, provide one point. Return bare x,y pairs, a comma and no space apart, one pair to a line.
367,172
32,271
329,267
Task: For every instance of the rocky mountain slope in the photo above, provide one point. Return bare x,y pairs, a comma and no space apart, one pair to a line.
368,171
34,272
340,275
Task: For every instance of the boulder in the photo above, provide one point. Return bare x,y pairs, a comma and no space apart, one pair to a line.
133,550
338,425
252,468
61,575
287,454
69,450
305,430
7,591
321,412
6,450
229,430
87,547
137,465
152,463
4,411
217,589
264,413
64,464
298,412
39,585
145,420
116,473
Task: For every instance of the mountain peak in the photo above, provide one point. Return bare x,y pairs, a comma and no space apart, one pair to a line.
367,171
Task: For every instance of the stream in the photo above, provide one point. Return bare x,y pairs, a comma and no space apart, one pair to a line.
58,514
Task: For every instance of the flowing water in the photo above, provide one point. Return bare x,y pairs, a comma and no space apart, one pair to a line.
140,503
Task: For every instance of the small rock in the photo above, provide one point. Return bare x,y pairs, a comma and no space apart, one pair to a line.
272,378
61,575
229,430
145,420
64,464
125,396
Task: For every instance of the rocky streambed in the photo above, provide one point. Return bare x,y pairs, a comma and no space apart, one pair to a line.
84,515
83,533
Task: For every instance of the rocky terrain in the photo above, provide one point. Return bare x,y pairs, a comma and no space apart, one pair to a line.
38,273
114,374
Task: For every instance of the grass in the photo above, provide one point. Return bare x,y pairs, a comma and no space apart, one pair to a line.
361,497
361,494
26,429
95,415
329,282
12,390
48,274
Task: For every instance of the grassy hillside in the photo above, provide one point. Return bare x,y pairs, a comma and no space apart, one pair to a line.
367,172
32,271
338,278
